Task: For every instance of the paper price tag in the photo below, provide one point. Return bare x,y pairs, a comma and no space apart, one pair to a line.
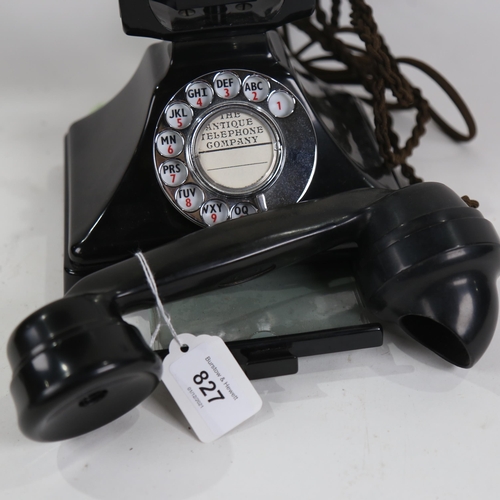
209,386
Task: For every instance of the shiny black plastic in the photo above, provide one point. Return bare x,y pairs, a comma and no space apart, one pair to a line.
188,19
426,262
114,202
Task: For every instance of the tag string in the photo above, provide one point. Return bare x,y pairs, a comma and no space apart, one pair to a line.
163,314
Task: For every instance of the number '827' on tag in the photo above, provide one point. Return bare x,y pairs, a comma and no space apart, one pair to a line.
208,385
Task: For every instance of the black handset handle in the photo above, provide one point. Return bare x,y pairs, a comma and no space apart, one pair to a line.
235,251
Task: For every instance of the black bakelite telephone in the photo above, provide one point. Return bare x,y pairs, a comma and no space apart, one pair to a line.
200,162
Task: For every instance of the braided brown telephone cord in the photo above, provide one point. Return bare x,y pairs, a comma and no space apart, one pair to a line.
377,70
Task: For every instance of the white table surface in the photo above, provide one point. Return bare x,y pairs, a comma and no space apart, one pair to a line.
395,422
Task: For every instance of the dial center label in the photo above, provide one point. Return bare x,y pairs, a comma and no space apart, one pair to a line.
236,150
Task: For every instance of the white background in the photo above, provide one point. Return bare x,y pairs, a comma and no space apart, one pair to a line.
395,422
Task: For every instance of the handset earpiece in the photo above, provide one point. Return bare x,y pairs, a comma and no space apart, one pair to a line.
77,365
427,262
431,267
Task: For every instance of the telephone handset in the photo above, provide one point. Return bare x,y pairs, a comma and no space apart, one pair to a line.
422,254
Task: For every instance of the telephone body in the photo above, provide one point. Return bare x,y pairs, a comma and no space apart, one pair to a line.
217,123
220,123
